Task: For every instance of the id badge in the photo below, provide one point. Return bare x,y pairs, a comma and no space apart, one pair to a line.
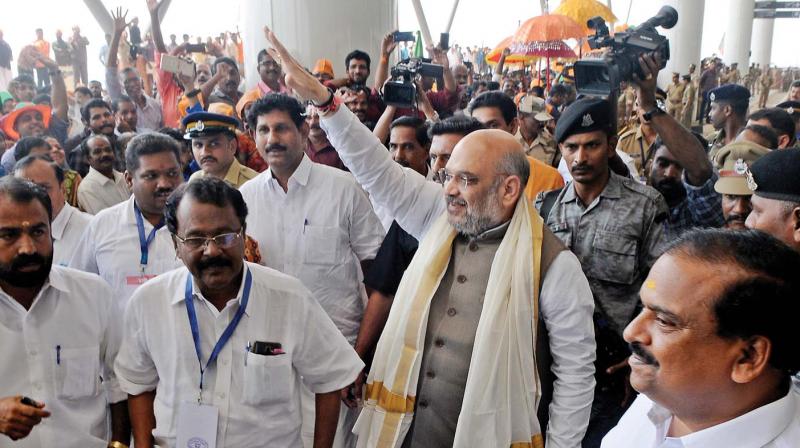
197,425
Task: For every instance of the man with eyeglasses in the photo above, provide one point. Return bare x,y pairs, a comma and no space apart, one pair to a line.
215,351
470,298
127,244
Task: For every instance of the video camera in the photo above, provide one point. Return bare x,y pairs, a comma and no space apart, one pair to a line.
400,90
601,76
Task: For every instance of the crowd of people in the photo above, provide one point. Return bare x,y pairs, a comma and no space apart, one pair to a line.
504,263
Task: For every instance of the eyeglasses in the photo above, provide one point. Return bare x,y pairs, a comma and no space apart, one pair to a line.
223,241
463,179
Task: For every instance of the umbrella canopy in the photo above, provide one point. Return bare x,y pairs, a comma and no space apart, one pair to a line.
549,49
548,27
583,10
493,57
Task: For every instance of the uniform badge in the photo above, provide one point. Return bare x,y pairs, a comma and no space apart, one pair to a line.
751,183
790,110
711,96
200,126
587,121
740,167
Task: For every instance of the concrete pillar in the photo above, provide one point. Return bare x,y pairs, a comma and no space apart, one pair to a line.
762,41
684,38
738,33
312,29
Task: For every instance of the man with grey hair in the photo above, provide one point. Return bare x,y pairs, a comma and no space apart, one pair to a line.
486,267
104,186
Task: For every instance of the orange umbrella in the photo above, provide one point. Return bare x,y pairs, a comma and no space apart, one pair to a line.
493,57
583,10
548,27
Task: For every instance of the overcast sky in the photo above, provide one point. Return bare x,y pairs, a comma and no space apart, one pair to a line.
477,22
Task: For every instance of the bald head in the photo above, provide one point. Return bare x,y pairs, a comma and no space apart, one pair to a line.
489,148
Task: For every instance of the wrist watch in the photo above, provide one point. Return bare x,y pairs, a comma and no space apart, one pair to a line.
115,444
647,116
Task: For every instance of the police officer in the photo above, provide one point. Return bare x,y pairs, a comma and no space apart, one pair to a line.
793,109
728,114
735,160
214,145
638,141
687,102
615,226
675,96
775,185
532,132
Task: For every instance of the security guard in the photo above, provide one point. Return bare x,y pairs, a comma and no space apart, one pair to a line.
675,96
532,132
687,102
214,145
728,115
735,160
615,226
793,109
638,141
776,195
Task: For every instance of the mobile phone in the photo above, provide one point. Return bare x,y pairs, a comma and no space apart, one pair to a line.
266,348
179,66
444,41
403,36
196,48
27,401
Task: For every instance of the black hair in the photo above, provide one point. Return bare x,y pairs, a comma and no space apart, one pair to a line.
147,144
205,190
84,90
25,79
28,161
418,124
261,54
225,60
26,144
176,135
357,54
761,302
43,98
121,99
85,150
127,70
461,125
276,101
495,99
795,83
779,120
95,102
492,85
23,191
559,90
764,132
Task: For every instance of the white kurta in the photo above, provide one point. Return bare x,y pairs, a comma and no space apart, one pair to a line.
96,192
67,228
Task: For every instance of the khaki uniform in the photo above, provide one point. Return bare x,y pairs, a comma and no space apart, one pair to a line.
716,142
625,102
237,174
734,76
543,148
617,238
764,84
674,99
633,143
687,105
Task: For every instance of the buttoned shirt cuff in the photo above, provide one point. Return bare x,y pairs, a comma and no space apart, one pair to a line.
114,394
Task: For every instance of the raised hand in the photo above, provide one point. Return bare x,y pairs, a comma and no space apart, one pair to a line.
388,44
153,5
297,78
119,20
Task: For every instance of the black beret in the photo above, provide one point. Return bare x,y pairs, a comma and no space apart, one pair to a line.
774,176
582,116
792,107
733,93
202,124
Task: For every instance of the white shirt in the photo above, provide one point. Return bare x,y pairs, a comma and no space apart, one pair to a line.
97,192
72,311
110,248
258,396
775,425
67,228
566,300
317,231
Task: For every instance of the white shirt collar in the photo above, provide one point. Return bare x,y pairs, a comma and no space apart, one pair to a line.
102,178
300,175
60,221
181,295
751,430
54,280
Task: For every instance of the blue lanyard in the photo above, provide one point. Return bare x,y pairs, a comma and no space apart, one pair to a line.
144,243
226,335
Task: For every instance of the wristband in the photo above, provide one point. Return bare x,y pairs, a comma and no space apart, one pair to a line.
331,106
327,102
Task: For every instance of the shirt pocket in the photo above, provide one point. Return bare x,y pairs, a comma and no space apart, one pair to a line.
77,373
321,245
615,257
267,379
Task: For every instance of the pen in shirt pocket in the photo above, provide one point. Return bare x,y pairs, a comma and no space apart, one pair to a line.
305,224
58,354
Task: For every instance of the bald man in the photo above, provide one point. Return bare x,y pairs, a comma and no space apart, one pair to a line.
488,288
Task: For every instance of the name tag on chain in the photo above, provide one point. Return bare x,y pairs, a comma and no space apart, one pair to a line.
197,425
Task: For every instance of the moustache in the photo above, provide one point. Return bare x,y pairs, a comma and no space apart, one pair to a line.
213,262
275,148
25,260
452,200
163,192
106,159
735,218
208,159
642,354
403,163
582,168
